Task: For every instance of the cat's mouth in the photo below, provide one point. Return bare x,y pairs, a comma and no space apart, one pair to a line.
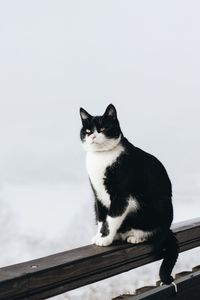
93,142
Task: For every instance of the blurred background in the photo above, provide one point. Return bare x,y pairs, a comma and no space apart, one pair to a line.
55,56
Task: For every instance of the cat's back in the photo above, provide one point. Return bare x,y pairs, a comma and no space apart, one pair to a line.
141,157
148,168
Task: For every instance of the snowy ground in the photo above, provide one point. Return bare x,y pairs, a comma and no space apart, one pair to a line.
37,220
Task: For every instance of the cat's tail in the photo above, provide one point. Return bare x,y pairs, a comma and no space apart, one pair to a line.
170,251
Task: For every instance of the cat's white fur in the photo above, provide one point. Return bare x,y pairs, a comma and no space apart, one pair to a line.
96,164
135,236
98,235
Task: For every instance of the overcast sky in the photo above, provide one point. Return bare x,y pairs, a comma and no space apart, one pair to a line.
55,56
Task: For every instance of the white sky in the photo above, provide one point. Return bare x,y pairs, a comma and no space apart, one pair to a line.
55,56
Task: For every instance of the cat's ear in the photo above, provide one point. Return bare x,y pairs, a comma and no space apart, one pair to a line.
84,114
111,111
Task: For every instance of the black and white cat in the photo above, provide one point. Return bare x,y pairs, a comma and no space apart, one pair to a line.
131,187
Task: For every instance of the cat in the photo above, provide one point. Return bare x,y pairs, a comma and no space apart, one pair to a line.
133,193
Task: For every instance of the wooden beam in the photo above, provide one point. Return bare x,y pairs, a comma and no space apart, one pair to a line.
55,274
188,288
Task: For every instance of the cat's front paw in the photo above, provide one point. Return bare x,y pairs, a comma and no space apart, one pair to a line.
104,241
96,237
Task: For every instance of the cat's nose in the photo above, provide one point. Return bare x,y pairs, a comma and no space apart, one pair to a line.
93,136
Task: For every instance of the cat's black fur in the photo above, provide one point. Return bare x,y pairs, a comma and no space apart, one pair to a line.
141,175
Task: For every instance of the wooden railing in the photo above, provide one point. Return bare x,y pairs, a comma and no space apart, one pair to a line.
55,274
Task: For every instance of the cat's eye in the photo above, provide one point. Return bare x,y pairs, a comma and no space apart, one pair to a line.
102,129
88,130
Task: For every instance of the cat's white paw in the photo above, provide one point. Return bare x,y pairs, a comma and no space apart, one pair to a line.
96,237
104,241
135,239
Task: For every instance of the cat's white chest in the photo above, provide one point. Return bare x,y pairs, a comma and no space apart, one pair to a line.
96,164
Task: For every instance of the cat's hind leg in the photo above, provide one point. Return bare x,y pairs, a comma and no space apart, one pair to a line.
136,236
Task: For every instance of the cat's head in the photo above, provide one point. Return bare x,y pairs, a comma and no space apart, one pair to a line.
101,133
